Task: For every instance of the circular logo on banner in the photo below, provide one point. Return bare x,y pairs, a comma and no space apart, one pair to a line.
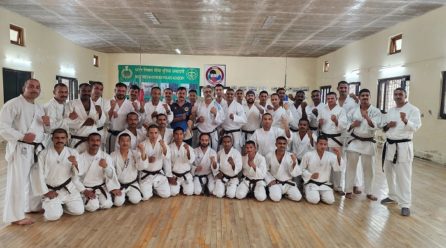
215,75
191,74
126,73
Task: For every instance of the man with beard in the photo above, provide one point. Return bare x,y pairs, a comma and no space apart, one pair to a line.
134,93
298,110
365,120
282,167
314,109
128,162
401,122
165,132
55,108
117,114
168,99
317,166
267,134
137,135
332,123
84,118
58,171
154,177
253,112
235,118
209,115
230,165
205,167
22,125
254,172
98,176
181,158
155,106
182,111
96,96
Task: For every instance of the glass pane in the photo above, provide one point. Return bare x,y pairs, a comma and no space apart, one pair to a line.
398,44
13,35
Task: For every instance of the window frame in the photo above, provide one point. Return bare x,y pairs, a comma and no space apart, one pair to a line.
357,87
392,46
95,60
324,91
443,96
20,35
73,90
404,79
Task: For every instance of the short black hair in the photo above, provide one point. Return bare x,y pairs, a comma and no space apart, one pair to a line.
218,85
342,82
226,137
119,84
131,113
332,93
281,88
263,92
161,114
322,137
60,130
59,85
178,129
364,90
250,142
152,126
134,87
82,85
155,88
93,83
401,89
204,134
93,134
181,88
281,138
193,91
124,135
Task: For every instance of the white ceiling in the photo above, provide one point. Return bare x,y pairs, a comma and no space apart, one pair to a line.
298,28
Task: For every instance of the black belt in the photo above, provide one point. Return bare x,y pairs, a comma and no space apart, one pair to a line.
246,133
252,185
183,175
194,128
114,132
294,130
36,146
285,182
228,177
148,173
204,186
62,186
313,128
80,138
319,183
100,128
333,137
356,137
391,141
231,131
130,184
100,187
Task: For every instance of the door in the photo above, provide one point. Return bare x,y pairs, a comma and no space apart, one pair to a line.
13,82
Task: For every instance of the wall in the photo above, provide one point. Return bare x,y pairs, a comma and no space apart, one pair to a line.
241,71
423,57
44,53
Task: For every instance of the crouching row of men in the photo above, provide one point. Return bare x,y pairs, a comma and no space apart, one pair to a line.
93,180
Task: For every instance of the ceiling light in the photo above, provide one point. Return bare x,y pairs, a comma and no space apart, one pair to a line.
152,18
268,21
177,50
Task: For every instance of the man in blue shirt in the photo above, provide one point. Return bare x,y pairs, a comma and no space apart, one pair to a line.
181,112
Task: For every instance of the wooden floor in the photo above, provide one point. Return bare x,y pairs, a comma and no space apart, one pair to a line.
199,221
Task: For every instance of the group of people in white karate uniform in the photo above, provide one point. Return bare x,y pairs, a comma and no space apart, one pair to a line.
91,153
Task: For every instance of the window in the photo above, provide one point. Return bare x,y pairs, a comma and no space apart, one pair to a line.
443,96
96,60
324,91
395,44
386,87
326,66
353,87
16,35
72,85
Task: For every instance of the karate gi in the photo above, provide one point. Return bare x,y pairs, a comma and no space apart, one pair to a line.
181,169
320,188
253,181
119,123
230,180
253,122
141,135
266,140
278,114
232,127
204,178
149,108
211,121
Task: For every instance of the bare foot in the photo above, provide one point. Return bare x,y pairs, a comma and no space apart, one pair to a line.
356,190
372,197
349,195
23,222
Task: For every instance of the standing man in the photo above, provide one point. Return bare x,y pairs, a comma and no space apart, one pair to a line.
209,115
154,107
298,110
182,111
401,122
55,108
267,134
263,100
117,115
220,96
317,167
314,109
84,118
168,99
235,118
365,120
239,96
96,96
332,123
138,106
253,112
22,125
279,112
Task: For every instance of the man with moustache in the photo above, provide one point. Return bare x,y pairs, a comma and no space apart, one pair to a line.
182,111
22,126
314,109
137,135
96,96
56,108
401,122
168,99
298,110
98,176
253,112
165,132
58,178
155,106
205,167
138,106
84,118
117,113
235,118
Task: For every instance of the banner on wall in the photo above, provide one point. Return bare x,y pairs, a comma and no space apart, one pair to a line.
146,77
215,74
